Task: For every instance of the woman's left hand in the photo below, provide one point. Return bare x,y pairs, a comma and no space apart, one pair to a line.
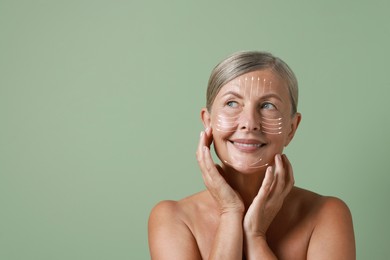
277,184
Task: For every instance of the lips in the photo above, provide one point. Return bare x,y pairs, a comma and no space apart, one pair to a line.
247,145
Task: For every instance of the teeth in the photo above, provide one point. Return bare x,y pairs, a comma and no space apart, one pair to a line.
248,145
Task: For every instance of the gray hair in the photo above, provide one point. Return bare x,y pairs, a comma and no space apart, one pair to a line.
247,61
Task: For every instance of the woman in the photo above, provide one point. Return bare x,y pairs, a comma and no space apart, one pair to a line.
251,208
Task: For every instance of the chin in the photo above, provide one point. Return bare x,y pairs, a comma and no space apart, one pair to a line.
245,167
246,162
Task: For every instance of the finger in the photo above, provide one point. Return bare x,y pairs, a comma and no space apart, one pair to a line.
202,142
200,155
290,173
259,201
208,136
205,139
280,175
211,169
199,151
207,158
266,186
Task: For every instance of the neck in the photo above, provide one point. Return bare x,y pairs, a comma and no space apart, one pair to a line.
247,185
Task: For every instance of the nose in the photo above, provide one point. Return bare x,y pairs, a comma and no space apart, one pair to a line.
249,120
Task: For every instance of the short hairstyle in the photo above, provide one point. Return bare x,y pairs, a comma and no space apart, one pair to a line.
243,62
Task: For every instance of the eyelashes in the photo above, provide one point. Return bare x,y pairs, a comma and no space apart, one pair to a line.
268,119
265,105
250,87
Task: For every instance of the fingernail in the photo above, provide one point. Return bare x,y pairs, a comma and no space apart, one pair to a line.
207,129
201,133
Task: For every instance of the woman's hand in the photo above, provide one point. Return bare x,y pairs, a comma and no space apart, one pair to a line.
277,184
228,200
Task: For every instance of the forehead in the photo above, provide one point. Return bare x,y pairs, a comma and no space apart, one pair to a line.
256,84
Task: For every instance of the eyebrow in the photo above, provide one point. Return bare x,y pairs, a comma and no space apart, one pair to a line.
266,96
272,95
234,93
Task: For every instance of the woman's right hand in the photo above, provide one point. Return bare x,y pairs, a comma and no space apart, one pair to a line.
227,199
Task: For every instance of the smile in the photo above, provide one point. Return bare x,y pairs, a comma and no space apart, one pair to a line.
247,145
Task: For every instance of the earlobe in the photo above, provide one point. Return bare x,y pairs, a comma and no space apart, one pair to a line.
293,127
205,117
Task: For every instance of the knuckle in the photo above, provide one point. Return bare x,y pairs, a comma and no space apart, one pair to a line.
198,156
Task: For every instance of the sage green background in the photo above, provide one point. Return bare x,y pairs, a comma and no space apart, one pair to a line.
100,101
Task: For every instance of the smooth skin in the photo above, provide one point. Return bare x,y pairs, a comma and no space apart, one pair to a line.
251,213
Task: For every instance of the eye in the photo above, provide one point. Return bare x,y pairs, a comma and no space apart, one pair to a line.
268,105
232,104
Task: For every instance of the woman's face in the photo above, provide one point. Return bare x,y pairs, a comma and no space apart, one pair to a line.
251,120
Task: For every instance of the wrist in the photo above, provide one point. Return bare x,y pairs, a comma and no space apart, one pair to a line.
232,214
255,238
237,209
256,247
255,235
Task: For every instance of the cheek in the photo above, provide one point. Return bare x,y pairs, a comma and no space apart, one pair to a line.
278,140
224,123
272,126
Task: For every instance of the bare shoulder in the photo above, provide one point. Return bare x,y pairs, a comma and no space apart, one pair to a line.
170,212
169,234
318,204
323,209
332,236
333,208
177,210
165,210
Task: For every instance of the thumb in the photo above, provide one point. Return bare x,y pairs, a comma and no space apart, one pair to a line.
266,186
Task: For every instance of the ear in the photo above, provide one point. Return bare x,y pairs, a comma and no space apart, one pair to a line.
205,116
296,119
